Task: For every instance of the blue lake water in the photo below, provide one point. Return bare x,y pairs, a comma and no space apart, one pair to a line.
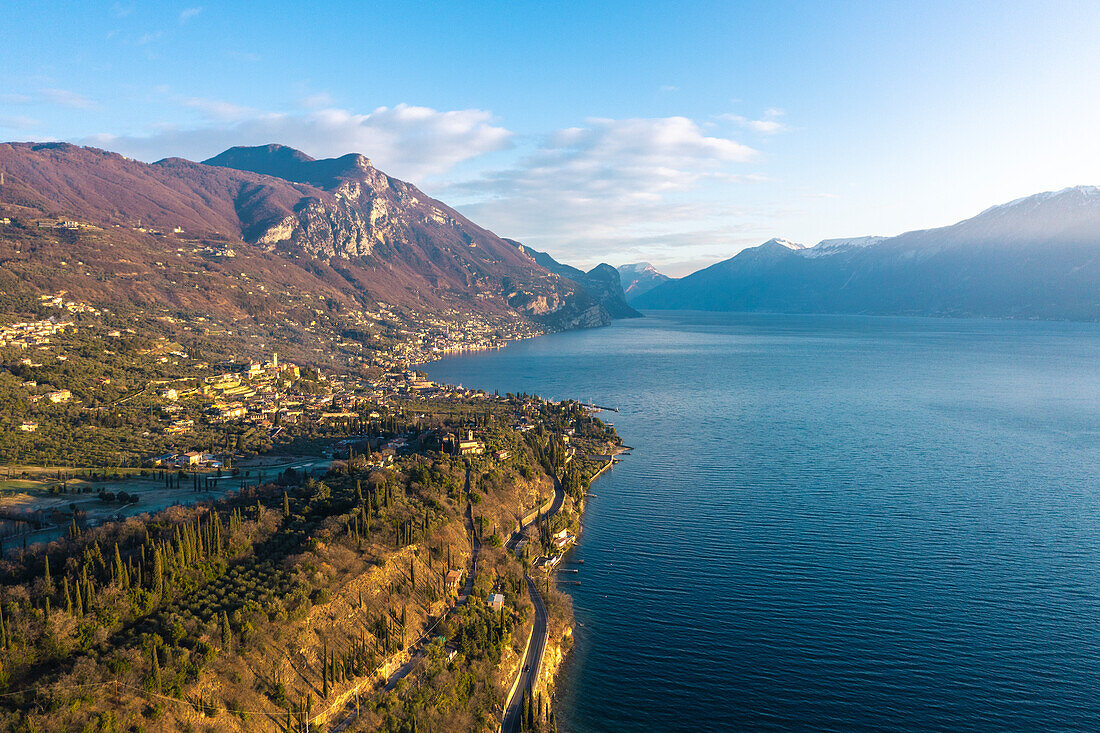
831,523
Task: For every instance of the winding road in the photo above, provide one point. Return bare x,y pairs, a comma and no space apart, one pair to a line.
536,646
532,656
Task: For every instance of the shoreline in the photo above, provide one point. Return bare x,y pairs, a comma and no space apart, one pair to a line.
556,653
555,647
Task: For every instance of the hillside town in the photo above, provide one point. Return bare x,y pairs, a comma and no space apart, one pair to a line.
188,400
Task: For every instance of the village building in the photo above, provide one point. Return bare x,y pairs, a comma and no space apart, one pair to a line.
60,396
547,563
563,539
468,446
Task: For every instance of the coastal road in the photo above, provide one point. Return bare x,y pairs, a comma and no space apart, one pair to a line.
532,661
532,656
559,499
554,508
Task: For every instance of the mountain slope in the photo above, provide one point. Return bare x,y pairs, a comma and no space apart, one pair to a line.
339,222
1037,257
639,278
602,281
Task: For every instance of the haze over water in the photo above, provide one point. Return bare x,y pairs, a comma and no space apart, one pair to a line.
831,523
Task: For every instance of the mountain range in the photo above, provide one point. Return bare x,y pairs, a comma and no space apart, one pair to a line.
263,229
1036,257
602,281
270,234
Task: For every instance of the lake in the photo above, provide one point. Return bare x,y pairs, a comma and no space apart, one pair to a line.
831,523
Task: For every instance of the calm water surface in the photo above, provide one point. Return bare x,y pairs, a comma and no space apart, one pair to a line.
831,523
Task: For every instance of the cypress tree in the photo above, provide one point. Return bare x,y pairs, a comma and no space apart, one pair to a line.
286,505
79,599
179,545
158,573
68,598
227,632
199,538
121,576
3,629
46,575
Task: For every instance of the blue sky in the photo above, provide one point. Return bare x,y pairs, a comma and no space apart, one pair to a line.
676,133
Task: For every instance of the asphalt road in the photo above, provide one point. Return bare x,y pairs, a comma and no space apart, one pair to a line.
532,661
532,658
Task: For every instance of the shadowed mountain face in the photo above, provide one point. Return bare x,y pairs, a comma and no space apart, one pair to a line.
639,278
290,164
375,238
602,281
1038,257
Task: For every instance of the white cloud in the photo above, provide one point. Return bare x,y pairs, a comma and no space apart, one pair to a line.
599,182
616,159
66,98
406,141
767,126
188,13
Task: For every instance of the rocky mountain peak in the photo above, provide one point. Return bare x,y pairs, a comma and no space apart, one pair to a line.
289,164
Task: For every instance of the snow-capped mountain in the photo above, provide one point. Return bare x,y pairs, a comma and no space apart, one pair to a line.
1035,257
832,246
639,278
